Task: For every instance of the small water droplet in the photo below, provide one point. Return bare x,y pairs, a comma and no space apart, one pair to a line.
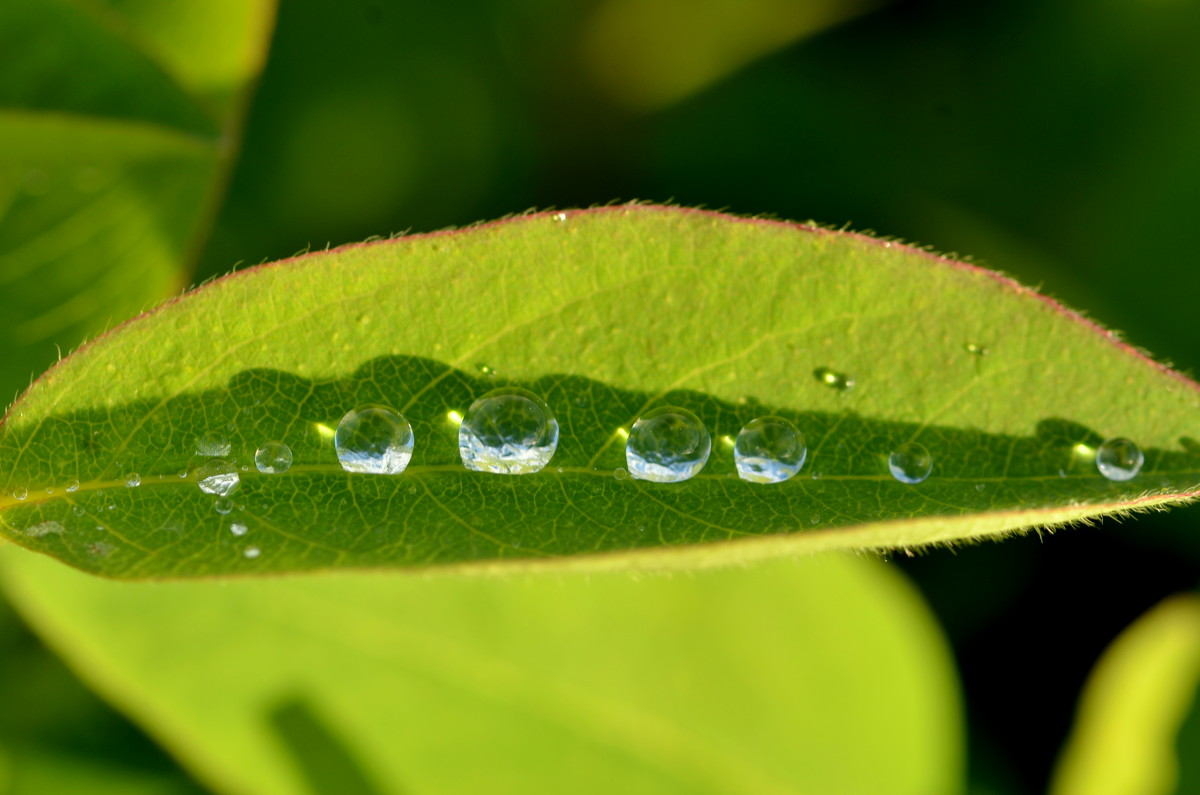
509,432
251,552
213,444
485,370
100,549
73,486
817,475
133,480
112,506
183,473
374,440
975,349
621,473
1119,459
273,458
412,489
667,445
559,217
833,379
910,463
223,505
979,487
21,493
814,519
78,510
217,476
769,450
238,529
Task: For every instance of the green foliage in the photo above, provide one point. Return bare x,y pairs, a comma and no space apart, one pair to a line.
595,311
766,680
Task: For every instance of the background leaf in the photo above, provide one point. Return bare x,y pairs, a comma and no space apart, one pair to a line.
777,679
114,144
1133,708
595,312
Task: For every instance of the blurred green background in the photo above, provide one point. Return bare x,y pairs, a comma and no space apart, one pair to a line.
1053,141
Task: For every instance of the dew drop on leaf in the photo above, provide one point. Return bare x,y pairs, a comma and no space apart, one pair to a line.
213,444
223,505
217,476
667,445
133,480
1119,459
833,379
251,552
21,493
273,458
73,486
975,349
238,529
910,463
509,432
375,440
769,450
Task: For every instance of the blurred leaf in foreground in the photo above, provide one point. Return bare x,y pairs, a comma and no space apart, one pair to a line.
777,679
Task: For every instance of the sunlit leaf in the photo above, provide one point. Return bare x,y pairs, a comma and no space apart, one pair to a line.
865,346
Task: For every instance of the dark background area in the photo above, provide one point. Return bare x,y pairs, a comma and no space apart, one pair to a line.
1053,141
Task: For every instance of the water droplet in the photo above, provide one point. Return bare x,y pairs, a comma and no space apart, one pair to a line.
667,445
21,493
559,217
817,475
78,510
508,431
374,440
834,380
223,505
213,444
100,549
975,349
769,450
979,487
112,506
910,463
73,486
1119,459
251,552
814,519
133,480
484,369
273,458
217,476
621,473
238,529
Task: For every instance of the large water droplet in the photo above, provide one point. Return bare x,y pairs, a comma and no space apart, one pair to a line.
910,463
273,458
217,476
769,450
667,445
1119,459
508,431
375,440
834,380
213,444
133,480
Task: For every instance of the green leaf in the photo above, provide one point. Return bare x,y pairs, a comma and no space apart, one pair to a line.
110,163
605,314
777,679
1135,701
